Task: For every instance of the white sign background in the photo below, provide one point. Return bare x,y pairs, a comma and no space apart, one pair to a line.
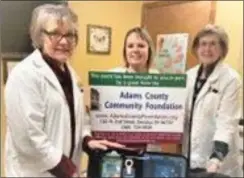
159,121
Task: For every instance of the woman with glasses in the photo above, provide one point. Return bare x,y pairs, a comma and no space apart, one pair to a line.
46,130
212,108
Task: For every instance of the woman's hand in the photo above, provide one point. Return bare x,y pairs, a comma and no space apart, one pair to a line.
103,144
75,175
213,165
212,168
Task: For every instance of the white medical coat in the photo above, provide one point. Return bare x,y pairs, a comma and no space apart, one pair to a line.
215,117
38,120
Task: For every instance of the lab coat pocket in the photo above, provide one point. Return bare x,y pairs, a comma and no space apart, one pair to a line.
211,102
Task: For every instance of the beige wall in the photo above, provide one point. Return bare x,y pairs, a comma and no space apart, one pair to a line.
229,14
120,16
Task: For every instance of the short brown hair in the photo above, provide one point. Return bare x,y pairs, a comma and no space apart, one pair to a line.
211,29
142,32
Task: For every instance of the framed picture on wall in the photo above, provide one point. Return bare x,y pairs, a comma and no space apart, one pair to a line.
9,61
98,39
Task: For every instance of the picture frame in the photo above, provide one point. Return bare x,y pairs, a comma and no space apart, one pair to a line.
98,39
9,61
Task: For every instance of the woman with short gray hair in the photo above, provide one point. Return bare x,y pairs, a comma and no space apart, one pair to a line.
219,32
46,130
45,14
213,107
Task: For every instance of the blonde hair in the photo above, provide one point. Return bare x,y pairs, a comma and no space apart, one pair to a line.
43,13
211,29
142,32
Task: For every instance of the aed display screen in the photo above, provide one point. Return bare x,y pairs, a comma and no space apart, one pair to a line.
111,166
164,166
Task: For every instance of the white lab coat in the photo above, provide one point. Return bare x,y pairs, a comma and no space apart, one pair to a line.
38,120
215,117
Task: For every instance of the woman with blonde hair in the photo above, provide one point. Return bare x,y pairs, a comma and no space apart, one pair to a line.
138,52
138,55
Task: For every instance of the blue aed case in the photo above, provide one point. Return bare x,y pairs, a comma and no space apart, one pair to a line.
134,164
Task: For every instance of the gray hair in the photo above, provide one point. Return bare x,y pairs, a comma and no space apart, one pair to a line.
211,29
43,13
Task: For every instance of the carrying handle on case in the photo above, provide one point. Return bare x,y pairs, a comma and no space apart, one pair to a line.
128,151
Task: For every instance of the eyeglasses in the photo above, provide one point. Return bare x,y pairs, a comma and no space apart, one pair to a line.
209,43
57,37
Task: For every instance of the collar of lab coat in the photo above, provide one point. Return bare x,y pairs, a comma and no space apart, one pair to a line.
214,76
47,72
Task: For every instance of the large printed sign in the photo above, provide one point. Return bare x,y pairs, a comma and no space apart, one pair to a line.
137,108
